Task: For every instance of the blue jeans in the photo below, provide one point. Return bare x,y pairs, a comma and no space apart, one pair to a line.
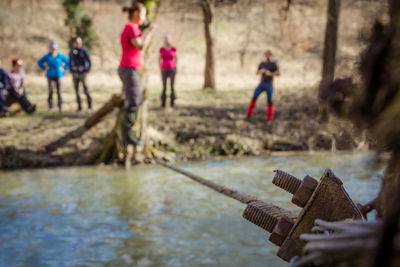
268,88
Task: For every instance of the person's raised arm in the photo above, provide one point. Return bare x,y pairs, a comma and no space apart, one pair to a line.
139,43
276,73
273,73
260,71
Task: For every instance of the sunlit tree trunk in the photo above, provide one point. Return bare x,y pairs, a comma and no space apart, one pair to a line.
112,150
330,45
207,6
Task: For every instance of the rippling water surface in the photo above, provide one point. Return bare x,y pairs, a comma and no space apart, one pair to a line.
151,216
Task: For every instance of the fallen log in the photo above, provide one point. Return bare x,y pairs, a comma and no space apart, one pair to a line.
115,101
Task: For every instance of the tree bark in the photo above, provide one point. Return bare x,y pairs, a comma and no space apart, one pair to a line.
112,148
115,101
330,45
144,110
207,7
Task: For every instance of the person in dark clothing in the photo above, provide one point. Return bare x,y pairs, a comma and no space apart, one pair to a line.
267,69
15,87
3,88
80,65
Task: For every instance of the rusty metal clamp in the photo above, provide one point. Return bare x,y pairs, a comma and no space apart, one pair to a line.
326,200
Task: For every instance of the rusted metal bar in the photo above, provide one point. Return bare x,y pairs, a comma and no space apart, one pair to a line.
263,214
301,190
286,181
241,197
326,200
260,217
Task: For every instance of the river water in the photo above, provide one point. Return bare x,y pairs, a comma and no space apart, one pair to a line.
151,216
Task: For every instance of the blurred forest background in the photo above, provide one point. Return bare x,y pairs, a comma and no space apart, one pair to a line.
204,123
243,31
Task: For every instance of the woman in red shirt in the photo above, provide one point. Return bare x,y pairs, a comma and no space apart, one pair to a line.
168,62
132,42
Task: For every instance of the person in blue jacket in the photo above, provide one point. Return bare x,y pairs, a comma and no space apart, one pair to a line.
55,65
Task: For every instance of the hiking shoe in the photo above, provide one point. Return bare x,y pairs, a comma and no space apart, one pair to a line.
32,109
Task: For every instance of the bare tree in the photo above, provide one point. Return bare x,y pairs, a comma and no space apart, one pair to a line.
330,45
207,7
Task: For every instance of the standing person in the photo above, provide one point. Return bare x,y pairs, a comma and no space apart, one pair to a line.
267,69
132,42
3,88
55,65
168,62
80,65
15,87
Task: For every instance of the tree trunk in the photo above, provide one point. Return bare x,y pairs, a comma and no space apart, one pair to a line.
330,45
112,148
143,113
209,70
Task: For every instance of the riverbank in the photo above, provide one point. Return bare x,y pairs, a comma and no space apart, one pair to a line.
202,125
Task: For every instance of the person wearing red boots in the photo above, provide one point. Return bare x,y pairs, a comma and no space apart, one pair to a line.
267,69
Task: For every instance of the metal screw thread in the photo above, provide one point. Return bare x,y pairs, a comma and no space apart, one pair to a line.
260,218
286,181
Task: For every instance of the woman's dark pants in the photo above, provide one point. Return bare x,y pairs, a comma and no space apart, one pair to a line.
13,97
57,82
133,99
78,78
165,74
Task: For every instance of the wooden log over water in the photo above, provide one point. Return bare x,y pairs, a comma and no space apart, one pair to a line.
115,101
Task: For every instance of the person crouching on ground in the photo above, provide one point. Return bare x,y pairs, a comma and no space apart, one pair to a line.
167,61
3,88
79,66
132,42
267,69
55,64
15,87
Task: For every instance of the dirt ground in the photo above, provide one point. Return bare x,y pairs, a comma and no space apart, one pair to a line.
203,124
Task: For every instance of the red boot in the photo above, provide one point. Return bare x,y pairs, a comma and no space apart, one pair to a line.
270,112
250,108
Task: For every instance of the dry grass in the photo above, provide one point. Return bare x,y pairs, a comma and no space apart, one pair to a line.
297,41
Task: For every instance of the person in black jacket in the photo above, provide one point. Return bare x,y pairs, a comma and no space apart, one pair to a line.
3,88
79,66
